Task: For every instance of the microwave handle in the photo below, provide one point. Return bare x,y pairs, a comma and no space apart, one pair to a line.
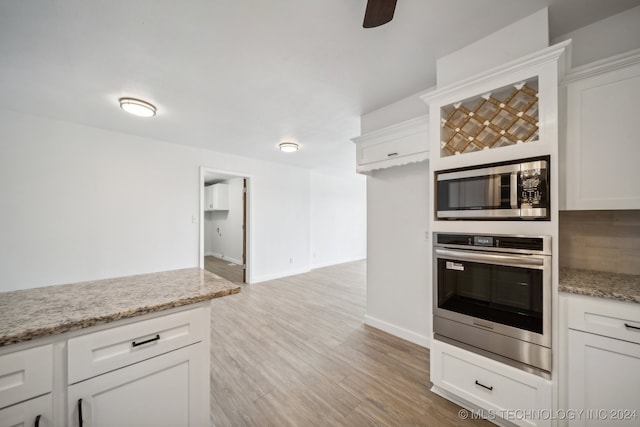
514,190
509,260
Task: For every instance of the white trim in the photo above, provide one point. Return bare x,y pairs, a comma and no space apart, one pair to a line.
524,64
338,261
223,257
398,331
603,66
398,161
268,277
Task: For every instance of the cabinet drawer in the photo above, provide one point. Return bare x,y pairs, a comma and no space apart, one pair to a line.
25,374
490,385
409,144
615,319
26,413
106,350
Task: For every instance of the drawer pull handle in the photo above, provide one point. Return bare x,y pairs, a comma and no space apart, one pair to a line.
38,420
631,327
80,413
482,385
156,338
392,154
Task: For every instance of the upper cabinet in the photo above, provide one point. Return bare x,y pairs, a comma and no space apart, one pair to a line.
216,197
395,145
600,160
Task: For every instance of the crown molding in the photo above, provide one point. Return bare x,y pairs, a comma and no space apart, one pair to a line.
552,53
603,66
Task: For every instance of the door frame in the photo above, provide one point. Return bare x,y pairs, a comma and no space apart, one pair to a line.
248,232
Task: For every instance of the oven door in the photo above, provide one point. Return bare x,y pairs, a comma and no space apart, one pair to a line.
506,293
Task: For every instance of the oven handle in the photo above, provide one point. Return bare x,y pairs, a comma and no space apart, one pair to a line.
509,260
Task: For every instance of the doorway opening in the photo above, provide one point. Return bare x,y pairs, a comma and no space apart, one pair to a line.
225,224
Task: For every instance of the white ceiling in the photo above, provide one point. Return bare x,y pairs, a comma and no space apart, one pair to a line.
240,76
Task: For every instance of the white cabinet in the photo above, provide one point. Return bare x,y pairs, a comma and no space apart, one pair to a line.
34,412
26,382
216,197
147,370
600,160
501,391
167,390
152,372
604,362
396,145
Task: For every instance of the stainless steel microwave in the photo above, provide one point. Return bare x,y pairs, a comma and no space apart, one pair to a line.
508,190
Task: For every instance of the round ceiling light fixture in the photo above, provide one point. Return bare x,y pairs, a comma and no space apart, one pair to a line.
137,107
288,147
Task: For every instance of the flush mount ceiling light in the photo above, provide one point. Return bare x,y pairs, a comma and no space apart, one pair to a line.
137,107
288,147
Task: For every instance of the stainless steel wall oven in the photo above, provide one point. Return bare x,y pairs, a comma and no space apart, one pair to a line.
492,295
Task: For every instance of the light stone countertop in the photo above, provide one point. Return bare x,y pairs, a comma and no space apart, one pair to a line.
601,284
32,313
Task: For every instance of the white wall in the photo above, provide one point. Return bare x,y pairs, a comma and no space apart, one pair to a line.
611,36
80,203
223,229
338,219
398,264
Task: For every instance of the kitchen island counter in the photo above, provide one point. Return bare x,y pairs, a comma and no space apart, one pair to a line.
33,313
601,284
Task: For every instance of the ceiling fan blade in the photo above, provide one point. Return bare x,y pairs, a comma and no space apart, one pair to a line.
378,12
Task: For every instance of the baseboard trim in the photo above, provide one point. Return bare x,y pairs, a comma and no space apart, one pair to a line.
336,262
222,257
268,277
398,331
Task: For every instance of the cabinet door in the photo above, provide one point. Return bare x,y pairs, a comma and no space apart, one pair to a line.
170,390
603,145
33,412
604,374
208,198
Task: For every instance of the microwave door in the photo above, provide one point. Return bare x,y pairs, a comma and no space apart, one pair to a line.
485,196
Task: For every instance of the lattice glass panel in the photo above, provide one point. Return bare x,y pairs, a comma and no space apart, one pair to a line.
503,117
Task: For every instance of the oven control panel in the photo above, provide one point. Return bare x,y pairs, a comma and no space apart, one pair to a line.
536,244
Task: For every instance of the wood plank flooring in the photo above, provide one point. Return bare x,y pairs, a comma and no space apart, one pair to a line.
295,352
226,269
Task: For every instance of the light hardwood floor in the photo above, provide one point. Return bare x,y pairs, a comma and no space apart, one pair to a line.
295,352
226,269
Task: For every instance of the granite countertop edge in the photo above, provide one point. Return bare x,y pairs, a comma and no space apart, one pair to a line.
28,333
600,284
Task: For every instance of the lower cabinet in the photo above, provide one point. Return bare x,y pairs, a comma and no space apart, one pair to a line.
166,390
604,379
151,370
36,412
603,352
498,391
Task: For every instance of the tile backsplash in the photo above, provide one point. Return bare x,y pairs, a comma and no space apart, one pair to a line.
600,240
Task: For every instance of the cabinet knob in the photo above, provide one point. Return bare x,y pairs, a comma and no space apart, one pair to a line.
392,154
